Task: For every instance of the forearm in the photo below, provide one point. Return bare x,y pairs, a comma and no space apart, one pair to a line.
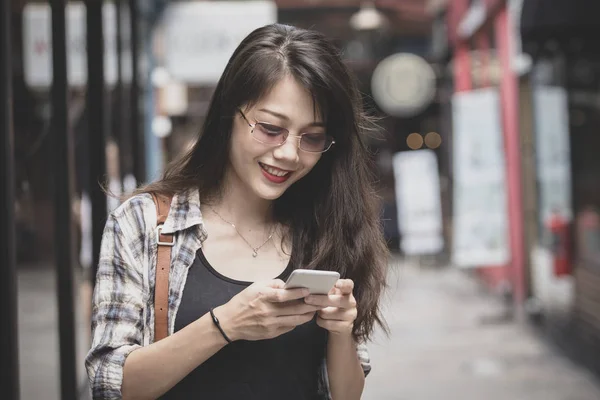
151,371
346,377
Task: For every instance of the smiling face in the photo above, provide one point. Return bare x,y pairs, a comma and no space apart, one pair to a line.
267,171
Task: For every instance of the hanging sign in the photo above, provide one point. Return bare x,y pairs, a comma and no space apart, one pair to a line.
200,37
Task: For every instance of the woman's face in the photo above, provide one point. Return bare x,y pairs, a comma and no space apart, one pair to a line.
269,170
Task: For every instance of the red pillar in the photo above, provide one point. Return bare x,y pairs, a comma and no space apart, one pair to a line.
510,117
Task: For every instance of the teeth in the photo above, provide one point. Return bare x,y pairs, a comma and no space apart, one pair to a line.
273,171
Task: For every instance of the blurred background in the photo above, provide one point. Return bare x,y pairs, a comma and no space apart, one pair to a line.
487,159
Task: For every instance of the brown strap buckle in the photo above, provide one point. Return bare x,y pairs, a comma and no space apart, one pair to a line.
161,242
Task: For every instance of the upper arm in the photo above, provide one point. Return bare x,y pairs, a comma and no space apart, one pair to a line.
117,309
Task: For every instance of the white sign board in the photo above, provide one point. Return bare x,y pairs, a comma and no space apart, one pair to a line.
418,202
553,156
37,44
200,37
480,227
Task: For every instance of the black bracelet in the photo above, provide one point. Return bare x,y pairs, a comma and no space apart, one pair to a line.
218,325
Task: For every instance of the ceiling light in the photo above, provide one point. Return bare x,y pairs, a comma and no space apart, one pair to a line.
368,18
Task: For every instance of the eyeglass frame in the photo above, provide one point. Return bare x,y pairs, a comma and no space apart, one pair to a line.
253,126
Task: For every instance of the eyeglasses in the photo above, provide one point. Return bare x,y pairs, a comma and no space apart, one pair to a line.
273,135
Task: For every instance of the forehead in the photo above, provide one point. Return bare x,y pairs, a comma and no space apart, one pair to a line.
290,99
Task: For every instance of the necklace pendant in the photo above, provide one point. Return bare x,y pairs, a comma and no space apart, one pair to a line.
254,253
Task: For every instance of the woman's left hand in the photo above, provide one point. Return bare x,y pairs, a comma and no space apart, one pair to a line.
340,308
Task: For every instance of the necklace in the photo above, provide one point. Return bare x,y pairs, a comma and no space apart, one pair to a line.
254,249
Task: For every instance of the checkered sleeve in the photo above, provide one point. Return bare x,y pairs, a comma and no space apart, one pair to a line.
117,313
363,356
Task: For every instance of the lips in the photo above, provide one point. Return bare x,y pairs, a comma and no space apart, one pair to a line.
275,175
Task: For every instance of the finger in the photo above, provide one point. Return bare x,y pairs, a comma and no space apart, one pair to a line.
283,295
338,314
332,300
295,320
297,307
335,290
345,285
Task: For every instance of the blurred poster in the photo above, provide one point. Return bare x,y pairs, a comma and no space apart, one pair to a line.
480,227
37,44
200,37
553,157
418,202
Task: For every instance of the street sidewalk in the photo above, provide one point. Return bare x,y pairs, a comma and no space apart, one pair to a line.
446,343
38,331
442,345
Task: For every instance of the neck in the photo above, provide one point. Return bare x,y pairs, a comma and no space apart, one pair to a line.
240,207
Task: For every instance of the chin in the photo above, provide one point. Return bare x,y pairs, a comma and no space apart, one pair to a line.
270,194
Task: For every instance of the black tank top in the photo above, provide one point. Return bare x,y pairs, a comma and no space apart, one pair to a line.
286,367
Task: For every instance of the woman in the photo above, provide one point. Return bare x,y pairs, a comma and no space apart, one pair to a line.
279,179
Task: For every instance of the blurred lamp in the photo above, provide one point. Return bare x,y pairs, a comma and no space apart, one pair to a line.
368,18
414,141
433,140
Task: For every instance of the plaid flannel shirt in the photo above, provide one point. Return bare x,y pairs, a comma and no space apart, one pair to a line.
123,301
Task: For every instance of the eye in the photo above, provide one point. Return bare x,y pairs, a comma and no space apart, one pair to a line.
314,138
271,130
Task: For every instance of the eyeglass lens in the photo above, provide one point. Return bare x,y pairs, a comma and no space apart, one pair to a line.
275,135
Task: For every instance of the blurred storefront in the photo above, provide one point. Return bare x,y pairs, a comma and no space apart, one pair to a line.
473,41
68,131
561,37
540,62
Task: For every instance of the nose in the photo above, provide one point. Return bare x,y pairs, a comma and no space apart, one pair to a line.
289,150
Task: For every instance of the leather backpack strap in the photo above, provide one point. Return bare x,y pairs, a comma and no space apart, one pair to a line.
163,267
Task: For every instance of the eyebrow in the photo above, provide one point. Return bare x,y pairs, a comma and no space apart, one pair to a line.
286,118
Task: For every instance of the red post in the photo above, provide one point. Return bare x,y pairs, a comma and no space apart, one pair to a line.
510,117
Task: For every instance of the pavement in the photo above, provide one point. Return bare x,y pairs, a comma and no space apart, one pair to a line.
38,332
446,343
450,340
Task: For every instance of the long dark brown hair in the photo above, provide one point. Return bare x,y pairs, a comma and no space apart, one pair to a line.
333,212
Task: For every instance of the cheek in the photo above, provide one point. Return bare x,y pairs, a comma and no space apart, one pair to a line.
240,150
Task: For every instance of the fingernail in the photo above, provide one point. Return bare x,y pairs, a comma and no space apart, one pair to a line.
305,292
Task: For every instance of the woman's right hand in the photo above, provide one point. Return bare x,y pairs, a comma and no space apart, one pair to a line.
264,310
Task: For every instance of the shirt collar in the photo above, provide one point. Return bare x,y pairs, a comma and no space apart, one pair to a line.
184,213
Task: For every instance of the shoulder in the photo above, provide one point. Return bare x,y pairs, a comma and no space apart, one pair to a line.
135,204
136,215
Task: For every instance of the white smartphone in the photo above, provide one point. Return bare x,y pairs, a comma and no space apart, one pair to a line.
318,282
